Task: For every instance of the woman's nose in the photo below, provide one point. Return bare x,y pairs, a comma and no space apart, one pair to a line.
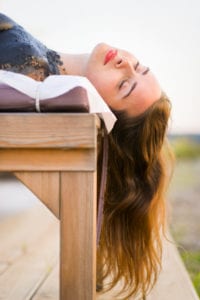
123,62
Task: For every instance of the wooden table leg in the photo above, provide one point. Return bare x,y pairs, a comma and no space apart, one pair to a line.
78,236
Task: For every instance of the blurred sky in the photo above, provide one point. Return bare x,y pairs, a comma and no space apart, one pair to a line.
164,35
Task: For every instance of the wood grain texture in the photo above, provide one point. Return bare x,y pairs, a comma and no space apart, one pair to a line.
47,160
174,282
32,146
49,289
78,236
21,231
45,186
62,130
27,229
38,239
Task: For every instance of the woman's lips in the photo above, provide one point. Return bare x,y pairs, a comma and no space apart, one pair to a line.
110,55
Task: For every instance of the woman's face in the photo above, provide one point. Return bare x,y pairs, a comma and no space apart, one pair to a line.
122,81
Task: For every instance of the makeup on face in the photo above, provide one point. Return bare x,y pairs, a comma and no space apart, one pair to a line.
110,55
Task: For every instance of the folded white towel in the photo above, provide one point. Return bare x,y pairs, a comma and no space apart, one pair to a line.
56,85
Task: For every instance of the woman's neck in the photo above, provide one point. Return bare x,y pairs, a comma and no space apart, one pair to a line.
73,64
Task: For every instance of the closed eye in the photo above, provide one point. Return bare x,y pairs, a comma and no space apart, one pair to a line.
137,65
123,83
130,91
135,83
145,71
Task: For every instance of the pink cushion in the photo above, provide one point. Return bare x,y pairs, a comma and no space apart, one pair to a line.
74,100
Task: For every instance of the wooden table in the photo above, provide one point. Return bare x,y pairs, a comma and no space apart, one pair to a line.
54,155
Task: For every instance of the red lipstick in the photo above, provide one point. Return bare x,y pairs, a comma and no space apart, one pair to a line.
110,55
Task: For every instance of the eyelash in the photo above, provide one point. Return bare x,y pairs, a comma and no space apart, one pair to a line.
135,67
124,81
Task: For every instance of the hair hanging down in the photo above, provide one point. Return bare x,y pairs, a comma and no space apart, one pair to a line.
130,247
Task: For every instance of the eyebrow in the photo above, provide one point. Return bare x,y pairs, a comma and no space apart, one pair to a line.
135,84
131,89
146,71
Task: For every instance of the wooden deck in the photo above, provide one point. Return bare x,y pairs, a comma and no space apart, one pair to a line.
29,261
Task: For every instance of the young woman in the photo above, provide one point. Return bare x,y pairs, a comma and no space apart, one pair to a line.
130,245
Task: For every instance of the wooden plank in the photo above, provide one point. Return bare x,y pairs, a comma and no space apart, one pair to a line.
30,227
3,267
45,185
26,274
47,130
50,288
19,232
46,160
78,236
174,282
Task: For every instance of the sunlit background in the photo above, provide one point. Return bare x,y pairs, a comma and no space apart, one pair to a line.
164,35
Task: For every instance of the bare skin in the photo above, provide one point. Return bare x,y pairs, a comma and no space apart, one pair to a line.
123,82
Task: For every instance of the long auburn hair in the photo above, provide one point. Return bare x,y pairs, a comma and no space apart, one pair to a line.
130,247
